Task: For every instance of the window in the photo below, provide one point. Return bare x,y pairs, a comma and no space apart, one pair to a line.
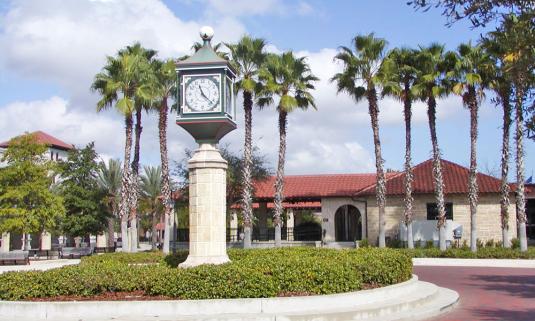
432,211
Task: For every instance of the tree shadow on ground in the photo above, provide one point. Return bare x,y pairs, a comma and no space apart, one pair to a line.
522,286
504,314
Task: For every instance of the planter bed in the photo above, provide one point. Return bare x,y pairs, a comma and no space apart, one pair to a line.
258,273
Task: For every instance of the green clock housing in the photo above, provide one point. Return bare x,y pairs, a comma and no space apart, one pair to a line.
206,96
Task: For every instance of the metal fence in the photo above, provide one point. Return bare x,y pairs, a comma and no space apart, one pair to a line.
298,233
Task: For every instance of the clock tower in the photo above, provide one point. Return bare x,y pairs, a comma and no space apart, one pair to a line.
206,100
205,83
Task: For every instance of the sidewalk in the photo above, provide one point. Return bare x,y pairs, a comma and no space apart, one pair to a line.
39,265
499,263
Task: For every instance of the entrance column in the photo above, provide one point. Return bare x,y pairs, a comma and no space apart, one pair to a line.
233,226
290,219
6,238
207,207
46,241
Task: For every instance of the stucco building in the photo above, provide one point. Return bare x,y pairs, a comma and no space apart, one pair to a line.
346,209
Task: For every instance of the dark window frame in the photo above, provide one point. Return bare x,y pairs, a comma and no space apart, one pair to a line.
432,211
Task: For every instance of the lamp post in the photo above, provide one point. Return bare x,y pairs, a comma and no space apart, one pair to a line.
207,112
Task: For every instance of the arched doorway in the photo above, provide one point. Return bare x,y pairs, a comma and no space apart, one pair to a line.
348,224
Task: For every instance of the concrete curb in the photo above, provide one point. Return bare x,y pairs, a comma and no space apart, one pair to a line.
388,303
499,263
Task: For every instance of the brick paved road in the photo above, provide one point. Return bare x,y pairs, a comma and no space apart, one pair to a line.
486,293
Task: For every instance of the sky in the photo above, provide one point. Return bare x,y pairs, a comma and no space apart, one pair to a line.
50,51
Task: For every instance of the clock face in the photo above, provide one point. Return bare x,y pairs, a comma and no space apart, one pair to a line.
202,93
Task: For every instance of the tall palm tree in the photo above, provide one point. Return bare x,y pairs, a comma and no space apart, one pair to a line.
517,36
290,79
360,79
502,86
429,86
247,57
472,74
151,189
117,86
109,180
398,73
164,87
143,82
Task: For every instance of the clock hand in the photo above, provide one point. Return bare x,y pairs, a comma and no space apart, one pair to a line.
204,95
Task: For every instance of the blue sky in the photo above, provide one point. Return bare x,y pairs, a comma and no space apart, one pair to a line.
51,50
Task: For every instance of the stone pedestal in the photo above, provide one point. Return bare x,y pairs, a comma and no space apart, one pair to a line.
6,238
207,207
46,241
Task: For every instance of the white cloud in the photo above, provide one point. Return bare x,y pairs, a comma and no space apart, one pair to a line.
67,41
246,7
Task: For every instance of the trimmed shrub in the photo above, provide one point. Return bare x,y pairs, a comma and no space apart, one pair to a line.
251,274
465,253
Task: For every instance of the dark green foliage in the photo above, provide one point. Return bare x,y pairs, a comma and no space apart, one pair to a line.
259,171
27,203
83,197
252,273
479,12
465,253
515,243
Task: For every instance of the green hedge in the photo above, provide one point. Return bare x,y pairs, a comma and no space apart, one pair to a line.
252,274
465,253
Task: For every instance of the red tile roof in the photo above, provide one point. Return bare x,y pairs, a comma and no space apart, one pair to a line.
295,205
455,180
46,139
317,186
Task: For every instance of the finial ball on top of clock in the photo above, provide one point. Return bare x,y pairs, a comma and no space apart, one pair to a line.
206,32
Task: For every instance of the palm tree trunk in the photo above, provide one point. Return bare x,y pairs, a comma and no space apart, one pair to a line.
437,173
154,231
520,192
279,181
247,200
166,186
407,112
111,231
134,190
505,189
379,163
124,209
472,179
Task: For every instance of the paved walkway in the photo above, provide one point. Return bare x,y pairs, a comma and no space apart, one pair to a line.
39,265
487,293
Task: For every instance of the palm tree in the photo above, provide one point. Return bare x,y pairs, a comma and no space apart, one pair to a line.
151,189
142,82
429,86
165,86
247,57
502,87
359,79
109,180
398,73
289,78
516,35
472,72
117,86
